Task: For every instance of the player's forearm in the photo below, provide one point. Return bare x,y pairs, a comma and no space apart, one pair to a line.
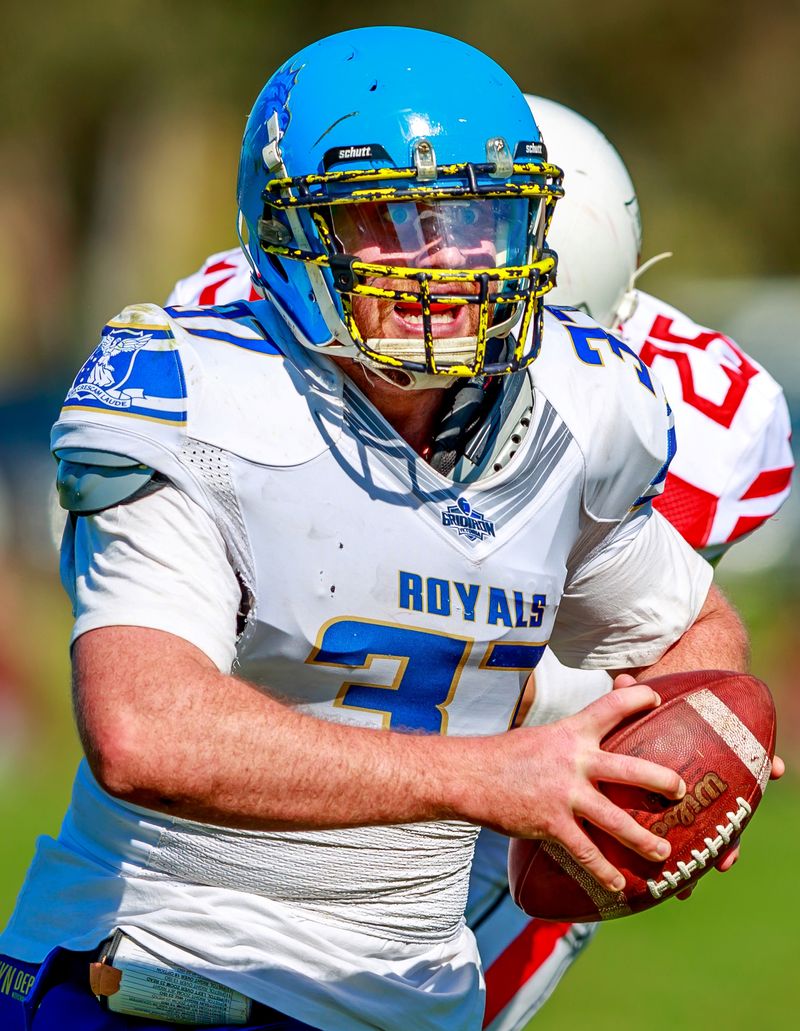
716,640
182,738
269,767
164,729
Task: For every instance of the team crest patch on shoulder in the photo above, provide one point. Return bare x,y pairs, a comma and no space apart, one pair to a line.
467,522
135,370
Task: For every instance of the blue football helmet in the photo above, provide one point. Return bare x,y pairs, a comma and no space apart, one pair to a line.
405,167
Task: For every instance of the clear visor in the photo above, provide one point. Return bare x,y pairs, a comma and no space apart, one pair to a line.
450,234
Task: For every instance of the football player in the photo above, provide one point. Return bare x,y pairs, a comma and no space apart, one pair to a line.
729,481
317,542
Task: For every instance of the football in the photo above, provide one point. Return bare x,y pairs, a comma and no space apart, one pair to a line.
715,728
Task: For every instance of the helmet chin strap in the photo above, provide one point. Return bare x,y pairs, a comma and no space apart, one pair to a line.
405,379
629,303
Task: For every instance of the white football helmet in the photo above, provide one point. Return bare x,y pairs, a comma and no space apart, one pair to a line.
596,229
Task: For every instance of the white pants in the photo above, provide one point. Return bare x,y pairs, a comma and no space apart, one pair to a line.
523,958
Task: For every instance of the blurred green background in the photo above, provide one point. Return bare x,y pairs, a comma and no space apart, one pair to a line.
119,132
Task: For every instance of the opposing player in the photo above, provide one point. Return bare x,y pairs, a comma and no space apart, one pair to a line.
730,474
376,495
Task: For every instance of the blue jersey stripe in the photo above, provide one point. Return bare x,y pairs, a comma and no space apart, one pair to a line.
236,309
262,346
672,447
561,311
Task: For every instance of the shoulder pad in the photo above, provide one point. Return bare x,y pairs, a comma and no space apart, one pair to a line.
614,407
90,481
265,398
231,377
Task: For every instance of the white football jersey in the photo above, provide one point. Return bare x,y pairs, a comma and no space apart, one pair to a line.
730,474
734,462
377,593
735,473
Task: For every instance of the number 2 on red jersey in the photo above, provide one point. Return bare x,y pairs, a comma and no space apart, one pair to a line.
739,377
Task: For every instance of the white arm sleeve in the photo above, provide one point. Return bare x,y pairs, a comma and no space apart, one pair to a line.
158,562
628,603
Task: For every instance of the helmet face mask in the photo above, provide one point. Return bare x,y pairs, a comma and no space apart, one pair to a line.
476,234
437,268
477,253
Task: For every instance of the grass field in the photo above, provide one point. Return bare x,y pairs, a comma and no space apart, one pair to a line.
725,957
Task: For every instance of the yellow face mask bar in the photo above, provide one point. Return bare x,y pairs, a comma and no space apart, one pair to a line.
528,282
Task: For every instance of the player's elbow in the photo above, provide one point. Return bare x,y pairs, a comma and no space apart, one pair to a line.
117,752
119,743
125,697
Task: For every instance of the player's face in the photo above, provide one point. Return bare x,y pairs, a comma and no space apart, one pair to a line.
449,234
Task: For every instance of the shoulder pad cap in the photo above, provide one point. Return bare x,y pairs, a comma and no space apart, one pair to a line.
90,481
135,371
232,377
614,407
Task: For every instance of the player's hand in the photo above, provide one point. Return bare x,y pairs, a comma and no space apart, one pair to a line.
732,857
548,784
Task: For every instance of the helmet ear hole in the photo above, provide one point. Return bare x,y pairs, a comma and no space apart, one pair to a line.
277,266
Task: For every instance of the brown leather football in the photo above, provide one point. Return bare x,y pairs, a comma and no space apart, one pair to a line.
717,729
